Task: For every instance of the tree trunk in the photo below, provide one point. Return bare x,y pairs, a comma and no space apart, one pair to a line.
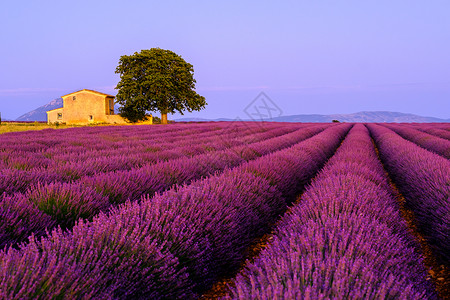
163,117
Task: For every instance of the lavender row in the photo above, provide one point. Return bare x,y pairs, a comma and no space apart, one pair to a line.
56,156
117,185
19,181
170,246
114,137
424,179
72,170
343,239
134,145
95,138
78,144
16,180
434,130
103,145
39,149
427,141
44,206
178,141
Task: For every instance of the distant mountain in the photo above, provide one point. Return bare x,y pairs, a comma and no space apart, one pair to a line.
363,117
39,114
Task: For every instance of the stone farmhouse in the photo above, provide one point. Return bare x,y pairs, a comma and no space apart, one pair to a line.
84,107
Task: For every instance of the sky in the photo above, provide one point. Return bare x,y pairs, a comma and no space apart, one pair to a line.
307,57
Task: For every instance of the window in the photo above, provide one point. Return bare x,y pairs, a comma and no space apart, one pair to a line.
59,117
74,97
111,107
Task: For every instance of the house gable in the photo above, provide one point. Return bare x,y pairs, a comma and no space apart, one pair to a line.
88,91
55,115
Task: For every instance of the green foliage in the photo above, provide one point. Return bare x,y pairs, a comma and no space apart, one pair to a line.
156,120
133,112
156,80
336,121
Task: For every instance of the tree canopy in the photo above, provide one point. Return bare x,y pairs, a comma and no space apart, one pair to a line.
156,80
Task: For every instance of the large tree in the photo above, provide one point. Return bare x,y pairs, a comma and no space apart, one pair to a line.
156,80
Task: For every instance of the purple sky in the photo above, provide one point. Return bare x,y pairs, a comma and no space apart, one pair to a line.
308,57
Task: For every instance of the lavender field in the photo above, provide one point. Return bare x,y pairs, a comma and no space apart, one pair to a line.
229,210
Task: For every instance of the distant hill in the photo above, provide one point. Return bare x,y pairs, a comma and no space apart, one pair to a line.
363,117
40,113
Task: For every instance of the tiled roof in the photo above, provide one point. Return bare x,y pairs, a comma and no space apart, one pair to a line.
55,109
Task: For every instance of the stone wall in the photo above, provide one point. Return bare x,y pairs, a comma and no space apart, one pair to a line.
85,107
52,116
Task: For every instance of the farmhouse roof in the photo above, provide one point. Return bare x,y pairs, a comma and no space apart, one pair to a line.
54,109
91,91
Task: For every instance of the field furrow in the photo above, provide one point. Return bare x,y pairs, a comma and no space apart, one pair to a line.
172,245
433,129
424,179
343,239
66,163
44,206
427,141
